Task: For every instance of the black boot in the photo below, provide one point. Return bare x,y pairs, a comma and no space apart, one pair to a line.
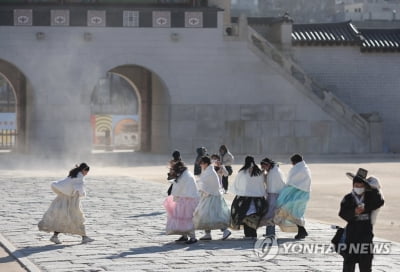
301,233
183,238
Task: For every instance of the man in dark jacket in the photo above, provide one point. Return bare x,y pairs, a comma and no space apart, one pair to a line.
356,209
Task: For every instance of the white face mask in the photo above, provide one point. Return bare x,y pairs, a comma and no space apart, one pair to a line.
359,191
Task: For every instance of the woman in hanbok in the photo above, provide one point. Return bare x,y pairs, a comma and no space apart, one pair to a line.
274,179
220,169
292,201
249,205
181,204
212,211
65,214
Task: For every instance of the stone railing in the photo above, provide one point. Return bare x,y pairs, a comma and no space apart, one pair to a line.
294,73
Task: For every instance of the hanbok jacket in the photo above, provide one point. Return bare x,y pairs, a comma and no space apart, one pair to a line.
69,186
300,177
209,181
246,185
275,180
185,186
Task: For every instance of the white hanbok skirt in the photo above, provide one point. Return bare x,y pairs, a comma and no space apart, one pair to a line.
64,215
211,213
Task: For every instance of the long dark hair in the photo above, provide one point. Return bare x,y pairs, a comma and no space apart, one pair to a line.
177,170
74,172
249,162
267,160
223,149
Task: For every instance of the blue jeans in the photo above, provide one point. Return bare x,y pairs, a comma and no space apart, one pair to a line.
270,230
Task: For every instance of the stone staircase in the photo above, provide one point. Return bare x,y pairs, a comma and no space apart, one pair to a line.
331,104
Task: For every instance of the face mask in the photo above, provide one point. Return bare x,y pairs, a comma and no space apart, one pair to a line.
359,191
213,161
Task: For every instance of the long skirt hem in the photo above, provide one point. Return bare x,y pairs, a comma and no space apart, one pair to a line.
240,210
179,214
65,216
291,206
211,213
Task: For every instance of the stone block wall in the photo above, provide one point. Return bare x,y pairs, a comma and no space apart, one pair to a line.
206,91
368,82
258,129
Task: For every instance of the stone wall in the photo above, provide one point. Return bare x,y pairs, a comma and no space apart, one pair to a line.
206,91
368,82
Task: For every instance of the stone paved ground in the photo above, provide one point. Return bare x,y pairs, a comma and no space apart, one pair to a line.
126,218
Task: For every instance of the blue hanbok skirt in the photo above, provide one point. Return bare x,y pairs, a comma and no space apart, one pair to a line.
291,206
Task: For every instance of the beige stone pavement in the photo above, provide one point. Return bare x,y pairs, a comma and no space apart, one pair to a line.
9,263
328,187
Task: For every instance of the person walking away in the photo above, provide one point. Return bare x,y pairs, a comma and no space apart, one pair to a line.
181,204
249,202
356,208
227,161
201,152
65,214
212,211
292,200
275,182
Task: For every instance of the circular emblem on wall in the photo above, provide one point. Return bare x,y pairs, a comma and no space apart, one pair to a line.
194,21
96,20
161,21
60,19
23,19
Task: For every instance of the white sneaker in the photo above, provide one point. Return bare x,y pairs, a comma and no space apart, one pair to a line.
86,240
55,240
226,234
206,237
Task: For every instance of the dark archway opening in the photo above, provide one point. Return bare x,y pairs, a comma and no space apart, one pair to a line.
13,108
115,115
130,111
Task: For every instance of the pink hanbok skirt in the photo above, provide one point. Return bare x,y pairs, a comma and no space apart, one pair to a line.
180,214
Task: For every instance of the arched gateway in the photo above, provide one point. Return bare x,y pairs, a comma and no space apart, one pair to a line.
13,101
126,106
163,76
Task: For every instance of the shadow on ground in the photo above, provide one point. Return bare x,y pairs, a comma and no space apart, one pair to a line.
26,251
146,214
231,244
